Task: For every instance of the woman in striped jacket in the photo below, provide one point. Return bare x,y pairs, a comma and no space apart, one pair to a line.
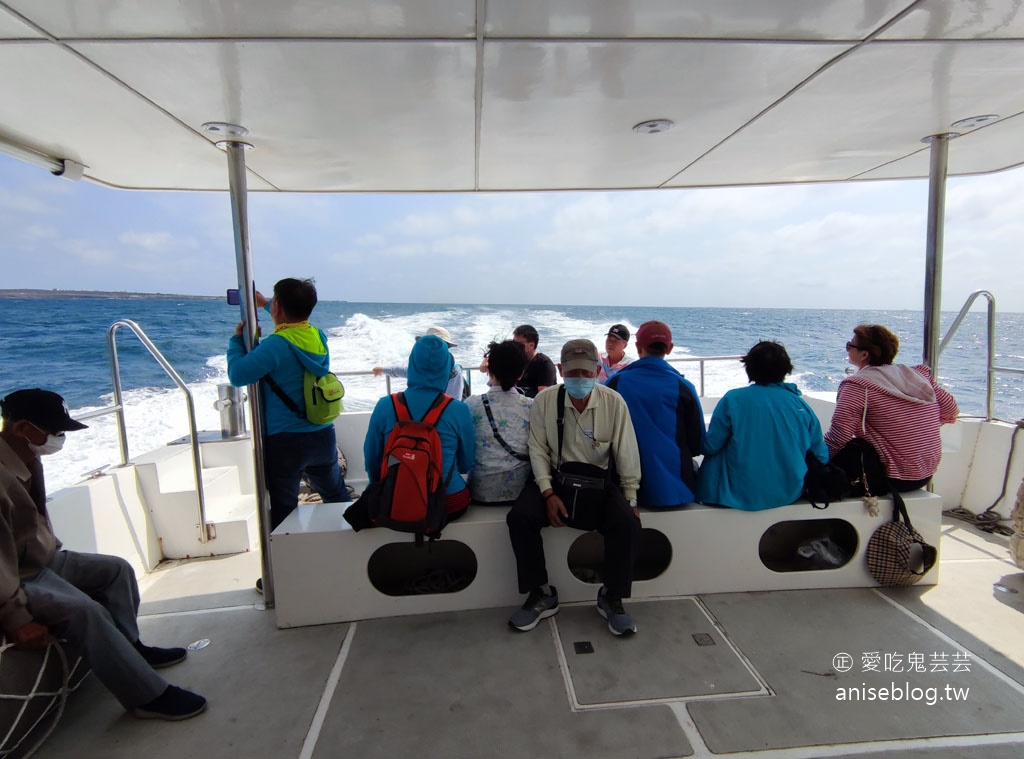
896,408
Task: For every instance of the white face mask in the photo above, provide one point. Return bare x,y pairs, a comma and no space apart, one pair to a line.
53,444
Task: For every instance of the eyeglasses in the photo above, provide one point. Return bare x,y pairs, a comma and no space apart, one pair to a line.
850,345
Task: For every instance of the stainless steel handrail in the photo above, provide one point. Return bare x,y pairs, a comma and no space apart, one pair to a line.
387,378
118,409
990,367
702,360
466,372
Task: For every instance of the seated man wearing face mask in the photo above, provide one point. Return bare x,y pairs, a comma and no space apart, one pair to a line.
89,600
586,468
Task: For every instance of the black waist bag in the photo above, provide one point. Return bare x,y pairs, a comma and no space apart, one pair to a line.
582,488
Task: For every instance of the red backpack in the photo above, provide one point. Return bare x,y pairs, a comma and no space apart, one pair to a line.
413,492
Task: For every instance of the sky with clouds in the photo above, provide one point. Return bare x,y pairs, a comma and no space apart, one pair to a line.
854,245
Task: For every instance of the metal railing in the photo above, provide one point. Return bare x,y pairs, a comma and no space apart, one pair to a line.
117,408
702,360
990,368
469,382
387,378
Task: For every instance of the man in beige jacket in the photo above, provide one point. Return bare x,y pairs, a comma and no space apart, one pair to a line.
586,468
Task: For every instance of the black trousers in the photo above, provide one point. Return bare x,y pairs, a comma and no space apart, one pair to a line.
616,522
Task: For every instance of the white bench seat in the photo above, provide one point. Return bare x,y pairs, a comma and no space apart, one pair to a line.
322,568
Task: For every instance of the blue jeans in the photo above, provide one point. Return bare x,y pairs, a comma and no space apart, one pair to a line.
288,455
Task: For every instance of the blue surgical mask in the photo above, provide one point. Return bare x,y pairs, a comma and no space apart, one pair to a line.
579,387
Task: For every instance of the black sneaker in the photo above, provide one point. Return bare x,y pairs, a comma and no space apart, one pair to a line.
259,585
158,658
173,704
537,607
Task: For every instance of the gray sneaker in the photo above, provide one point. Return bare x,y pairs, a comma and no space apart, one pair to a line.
619,620
537,607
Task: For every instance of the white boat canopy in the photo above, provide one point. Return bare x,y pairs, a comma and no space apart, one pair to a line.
497,95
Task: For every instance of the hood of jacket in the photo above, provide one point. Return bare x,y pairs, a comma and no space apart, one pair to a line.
897,380
430,364
310,345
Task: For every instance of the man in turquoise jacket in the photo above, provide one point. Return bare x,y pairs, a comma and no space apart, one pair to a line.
430,364
293,444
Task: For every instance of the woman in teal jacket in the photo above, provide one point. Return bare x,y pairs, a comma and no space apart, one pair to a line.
430,364
757,443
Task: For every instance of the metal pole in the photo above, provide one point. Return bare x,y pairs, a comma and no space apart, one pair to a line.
933,247
243,260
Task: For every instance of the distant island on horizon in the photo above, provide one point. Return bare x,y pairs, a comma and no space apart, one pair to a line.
109,294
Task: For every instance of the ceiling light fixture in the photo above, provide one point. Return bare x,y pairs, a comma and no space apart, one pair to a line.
974,121
654,126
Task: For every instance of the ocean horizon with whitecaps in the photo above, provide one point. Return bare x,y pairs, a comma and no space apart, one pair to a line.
61,344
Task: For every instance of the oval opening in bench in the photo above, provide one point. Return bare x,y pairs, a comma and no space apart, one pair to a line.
405,569
586,556
805,545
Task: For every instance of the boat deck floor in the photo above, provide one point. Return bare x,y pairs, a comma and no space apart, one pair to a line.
757,675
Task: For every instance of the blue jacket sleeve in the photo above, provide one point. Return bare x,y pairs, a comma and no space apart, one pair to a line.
373,444
818,447
720,429
248,368
466,456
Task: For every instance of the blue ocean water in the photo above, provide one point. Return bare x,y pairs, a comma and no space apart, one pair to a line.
61,344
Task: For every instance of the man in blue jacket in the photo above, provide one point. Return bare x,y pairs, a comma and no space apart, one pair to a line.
430,365
293,445
667,418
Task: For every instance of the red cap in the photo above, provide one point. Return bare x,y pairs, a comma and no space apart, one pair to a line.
653,332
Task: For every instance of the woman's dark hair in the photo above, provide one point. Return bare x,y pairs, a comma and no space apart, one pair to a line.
296,297
767,362
507,362
881,344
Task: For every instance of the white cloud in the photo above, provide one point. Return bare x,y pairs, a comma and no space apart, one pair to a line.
460,245
371,240
157,241
88,252
423,225
22,202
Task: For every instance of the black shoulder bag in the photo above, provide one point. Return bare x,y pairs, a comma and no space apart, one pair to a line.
577,483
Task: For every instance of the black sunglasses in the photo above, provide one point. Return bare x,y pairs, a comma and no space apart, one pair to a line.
855,347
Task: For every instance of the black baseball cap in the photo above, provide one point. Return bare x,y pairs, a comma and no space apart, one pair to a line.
620,331
43,408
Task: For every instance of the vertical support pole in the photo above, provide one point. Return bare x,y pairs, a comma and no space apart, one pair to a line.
933,247
243,261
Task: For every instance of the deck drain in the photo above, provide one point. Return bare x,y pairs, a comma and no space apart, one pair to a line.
703,639
583,647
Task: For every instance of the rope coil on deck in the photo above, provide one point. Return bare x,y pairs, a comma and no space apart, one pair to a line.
989,519
18,732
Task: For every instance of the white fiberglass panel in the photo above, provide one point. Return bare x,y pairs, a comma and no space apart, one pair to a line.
12,28
704,19
330,116
872,107
251,18
980,151
961,19
561,115
80,114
